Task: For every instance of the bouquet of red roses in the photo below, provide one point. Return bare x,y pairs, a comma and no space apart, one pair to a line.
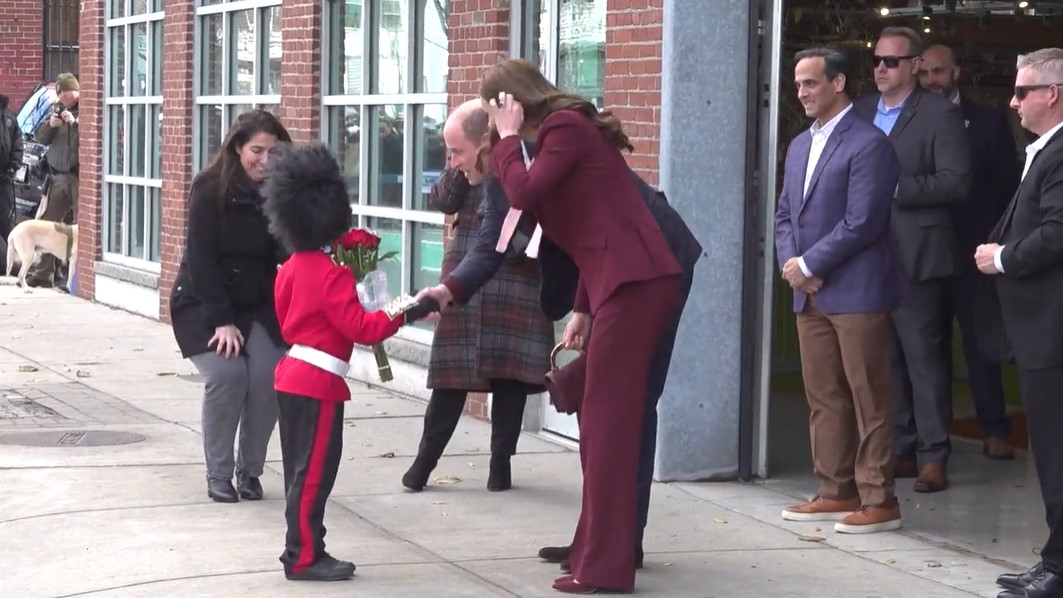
359,250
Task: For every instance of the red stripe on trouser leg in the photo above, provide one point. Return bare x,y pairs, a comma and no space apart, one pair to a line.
308,497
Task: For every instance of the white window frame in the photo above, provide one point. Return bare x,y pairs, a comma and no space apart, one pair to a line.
148,101
410,102
261,50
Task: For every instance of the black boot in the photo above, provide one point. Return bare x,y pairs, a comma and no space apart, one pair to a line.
221,490
501,477
248,487
441,418
326,568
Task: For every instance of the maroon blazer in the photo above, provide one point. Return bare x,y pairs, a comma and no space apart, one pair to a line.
580,190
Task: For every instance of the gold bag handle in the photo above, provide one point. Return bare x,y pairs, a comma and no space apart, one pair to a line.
558,348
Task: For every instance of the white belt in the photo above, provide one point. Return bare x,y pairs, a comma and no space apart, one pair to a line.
319,359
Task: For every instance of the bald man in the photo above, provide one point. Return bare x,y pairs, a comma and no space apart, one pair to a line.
995,176
497,341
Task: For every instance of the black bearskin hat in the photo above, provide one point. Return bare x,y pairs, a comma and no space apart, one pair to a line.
306,199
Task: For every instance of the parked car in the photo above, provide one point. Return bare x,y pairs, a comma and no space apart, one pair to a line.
32,177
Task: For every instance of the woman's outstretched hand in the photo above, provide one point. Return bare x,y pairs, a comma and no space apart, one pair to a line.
507,114
576,331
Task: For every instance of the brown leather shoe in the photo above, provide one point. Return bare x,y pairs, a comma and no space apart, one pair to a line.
932,478
905,468
869,519
821,509
996,447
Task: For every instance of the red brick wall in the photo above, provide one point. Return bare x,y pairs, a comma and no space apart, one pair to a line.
300,109
21,48
178,100
634,30
478,37
90,129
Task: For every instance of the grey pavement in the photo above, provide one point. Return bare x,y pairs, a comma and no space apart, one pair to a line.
102,493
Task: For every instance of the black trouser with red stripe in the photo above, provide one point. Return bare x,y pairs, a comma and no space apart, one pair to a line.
311,434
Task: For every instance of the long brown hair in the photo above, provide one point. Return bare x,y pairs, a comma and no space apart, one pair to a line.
540,98
225,168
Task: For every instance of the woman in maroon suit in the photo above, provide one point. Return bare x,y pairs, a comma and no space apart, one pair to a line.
579,189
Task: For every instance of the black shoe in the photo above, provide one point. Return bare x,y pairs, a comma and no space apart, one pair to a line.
326,568
249,488
38,283
416,478
501,477
566,565
555,554
1045,585
221,490
1020,580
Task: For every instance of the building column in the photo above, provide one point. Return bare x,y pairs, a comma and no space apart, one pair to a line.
177,104
703,171
90,132
477,38
300,108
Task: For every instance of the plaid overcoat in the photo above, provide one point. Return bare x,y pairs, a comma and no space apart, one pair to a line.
501,333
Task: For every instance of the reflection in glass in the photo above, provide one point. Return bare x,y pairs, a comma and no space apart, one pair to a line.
140,7
432,44
211,126
390,233
536,37
138,38
235,110
345,141
155,205
242,52
137,212
271,19
432,155
211,56
393,43
581,49
347,44
117,45
385,183
116,145
155,127
425,260
138,130
118,8
115,217
157,58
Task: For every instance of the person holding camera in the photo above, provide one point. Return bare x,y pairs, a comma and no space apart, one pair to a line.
60,133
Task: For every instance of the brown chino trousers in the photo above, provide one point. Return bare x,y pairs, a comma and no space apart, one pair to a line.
846,370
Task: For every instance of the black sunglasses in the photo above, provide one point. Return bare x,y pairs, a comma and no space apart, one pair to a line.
1021,91
892,62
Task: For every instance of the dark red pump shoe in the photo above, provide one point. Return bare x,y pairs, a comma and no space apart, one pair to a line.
567,584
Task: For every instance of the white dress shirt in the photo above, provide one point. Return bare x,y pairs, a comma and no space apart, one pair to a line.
820,135
1031,152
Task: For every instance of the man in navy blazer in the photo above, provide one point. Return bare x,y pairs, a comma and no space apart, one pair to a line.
994,178
832,239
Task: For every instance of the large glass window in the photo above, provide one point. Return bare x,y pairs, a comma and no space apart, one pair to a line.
385,70
567,39
132,180
238,65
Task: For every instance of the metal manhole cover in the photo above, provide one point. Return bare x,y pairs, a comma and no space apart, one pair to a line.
71,438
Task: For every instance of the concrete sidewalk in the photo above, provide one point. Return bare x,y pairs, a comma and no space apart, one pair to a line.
133,519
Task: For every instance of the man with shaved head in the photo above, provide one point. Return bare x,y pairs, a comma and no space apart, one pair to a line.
499,341
994,177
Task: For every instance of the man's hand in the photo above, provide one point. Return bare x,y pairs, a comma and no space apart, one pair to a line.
983,258
440,293
791,272
55,121
67,117
811,286
576,331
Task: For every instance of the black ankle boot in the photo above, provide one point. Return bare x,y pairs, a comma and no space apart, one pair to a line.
416,478
221,490
501,477
248,487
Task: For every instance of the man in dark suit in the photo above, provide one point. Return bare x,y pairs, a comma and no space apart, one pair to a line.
994,176
931,142
1025,256
832,239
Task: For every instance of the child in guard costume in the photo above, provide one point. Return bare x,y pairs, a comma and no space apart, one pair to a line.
321,318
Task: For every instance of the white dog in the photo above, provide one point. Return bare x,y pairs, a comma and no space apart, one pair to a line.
32,239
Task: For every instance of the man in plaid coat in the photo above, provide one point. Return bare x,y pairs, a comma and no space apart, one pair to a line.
499,341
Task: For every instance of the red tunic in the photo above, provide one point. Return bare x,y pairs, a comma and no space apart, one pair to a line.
317,306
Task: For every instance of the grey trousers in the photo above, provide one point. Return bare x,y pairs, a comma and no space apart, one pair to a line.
239,394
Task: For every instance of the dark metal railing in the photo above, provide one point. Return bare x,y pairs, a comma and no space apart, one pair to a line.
60,38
